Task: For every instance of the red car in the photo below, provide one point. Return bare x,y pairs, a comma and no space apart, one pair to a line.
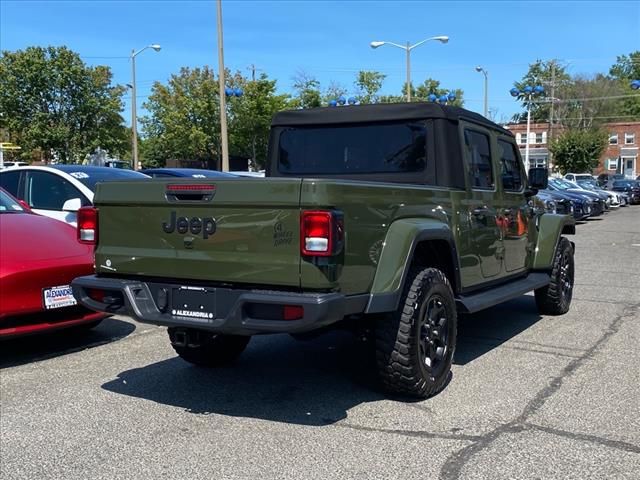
39,257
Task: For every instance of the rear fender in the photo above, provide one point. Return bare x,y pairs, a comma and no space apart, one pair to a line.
550,228
397,254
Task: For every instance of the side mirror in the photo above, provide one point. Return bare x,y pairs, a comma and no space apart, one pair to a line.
538,178
72,205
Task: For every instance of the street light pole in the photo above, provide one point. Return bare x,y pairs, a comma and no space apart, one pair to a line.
526,148
134,117
407,48
486,89
528,92
221,95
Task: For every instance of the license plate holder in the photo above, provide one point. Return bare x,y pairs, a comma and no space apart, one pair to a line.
58,297
193,302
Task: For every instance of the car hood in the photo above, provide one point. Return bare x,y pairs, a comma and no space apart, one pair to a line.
26,238
586,193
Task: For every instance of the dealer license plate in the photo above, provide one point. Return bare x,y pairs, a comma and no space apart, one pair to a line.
58,297
193,302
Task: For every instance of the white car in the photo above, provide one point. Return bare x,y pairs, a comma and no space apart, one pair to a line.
58,191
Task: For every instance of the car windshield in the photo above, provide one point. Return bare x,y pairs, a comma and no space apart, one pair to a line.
561,184
623,183
90,177
8,204
587,184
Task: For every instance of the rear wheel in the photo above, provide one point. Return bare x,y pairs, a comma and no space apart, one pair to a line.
207,349
415,344
555,298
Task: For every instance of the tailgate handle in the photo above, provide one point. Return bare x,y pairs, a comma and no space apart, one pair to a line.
186,192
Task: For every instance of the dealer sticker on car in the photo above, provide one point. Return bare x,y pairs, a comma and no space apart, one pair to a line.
58,297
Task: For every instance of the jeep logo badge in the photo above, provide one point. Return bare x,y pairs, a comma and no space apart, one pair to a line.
195,225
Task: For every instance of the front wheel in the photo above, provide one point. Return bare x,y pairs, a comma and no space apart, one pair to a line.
415,344
555,298
207,349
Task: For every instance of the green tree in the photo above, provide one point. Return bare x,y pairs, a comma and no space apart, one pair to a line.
369,83
307,90
626,69
587,102
183,120
333,92
578,150
52,102
544,73
251,117
431,86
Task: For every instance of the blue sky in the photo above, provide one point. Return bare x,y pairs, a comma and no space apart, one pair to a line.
330,40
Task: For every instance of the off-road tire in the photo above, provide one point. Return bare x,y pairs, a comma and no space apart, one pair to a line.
213,350
406,338
555,298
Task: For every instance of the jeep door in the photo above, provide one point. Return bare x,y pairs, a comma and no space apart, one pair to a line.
485,233
514,211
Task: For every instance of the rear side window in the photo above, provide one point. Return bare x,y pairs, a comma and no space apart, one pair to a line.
477,154
9,181
47,191
511,173
394,147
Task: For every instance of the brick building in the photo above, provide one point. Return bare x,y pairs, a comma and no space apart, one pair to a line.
621,155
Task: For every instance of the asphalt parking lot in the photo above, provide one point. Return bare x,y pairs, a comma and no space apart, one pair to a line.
530,396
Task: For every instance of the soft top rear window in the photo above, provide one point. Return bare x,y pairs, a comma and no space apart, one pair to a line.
386,147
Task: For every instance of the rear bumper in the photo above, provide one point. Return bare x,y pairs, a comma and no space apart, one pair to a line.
145,302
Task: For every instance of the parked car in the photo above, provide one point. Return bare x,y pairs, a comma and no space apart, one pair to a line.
40,257
607,179
603,196
630,187
58,191
614,199
572,177
597,203
185,172
551,203
580,207
389,213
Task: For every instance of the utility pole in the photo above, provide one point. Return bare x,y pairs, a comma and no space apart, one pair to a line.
553,100
253,69
221,95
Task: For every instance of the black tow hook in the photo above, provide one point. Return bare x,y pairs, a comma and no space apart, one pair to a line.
184,337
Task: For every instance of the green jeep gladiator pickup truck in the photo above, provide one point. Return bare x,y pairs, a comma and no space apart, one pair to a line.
401,215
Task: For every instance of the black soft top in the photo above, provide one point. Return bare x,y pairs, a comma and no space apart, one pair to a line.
379,112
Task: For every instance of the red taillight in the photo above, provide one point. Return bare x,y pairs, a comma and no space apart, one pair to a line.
293,312
321,233
187,187
88,225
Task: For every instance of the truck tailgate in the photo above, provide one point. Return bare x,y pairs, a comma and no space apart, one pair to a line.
237,230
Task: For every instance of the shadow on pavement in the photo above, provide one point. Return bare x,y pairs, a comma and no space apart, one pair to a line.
308,383
486,330
277,378
22,350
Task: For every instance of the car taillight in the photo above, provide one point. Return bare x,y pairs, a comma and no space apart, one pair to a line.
321,233
88,225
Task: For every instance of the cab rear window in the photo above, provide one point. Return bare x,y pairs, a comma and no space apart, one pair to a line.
390,147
